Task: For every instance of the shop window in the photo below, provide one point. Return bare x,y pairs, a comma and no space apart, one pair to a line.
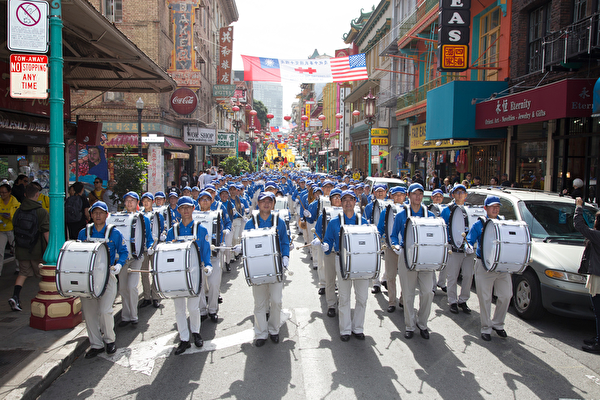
114,96
531,167
489,44
487,162
539,25
113,10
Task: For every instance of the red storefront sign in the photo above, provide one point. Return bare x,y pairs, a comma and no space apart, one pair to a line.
184,101
563,99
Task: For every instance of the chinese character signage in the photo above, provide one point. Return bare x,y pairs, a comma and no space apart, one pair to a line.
183,59
225,55
453,36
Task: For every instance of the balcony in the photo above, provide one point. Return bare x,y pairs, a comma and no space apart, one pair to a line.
413,19
389,43
575,43
419,94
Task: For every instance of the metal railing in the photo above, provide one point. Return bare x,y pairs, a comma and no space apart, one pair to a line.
573,42
410,21
419,94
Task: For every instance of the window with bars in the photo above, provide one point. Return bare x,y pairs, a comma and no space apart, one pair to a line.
487,162
489,44
579,10
539,26
113,10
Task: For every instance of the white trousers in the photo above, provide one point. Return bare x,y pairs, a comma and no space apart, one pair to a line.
329,265
351,323
409,280
457,262
391,270
320,263
211,286
237,227
441,279
228,241
128,289
147,287
488,284
267,297
309,238
193,307
98,315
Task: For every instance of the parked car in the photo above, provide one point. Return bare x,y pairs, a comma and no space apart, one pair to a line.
550,281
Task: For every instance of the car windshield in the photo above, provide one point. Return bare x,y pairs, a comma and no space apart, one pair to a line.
553,220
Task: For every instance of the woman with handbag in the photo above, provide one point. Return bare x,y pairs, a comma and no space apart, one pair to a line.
590,264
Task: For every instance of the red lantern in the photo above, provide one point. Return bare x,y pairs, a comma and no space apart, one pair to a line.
304,118
279,135
270,116
322,117
253,112
337,131
287,118
235,108
267,134
356,113
339,115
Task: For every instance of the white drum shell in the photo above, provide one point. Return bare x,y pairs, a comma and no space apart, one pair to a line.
505,246
390,216
425,244
281,203
132,227
82,269
378,207
359,252
177,270
261,256
459,224
154,224
212,222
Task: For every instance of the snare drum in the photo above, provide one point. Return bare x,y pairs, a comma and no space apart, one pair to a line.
378,207
133,229
155,227
281,203
261,256
459,224
177,270
359,252
82,269
284,214
505,245
390,215
328,214
425,244
212,221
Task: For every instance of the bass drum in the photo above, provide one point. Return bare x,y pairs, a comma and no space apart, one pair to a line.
359,252
284,214
212,222
281,203
378,207
154,218
390,216
425,241
328,214
505,246
261,256
459,224
82,269
177,270
133,229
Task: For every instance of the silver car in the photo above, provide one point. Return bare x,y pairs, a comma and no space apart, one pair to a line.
550,280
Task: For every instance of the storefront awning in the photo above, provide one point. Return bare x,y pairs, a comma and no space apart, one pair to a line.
451,110
120,141
172,155
323,152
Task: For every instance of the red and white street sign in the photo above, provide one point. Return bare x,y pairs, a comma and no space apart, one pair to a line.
28,76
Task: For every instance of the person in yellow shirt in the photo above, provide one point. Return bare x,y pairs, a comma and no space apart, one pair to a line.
98,193
8,206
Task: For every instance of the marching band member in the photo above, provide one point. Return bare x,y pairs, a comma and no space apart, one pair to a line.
181,232
226,221
489,283
159,199
98,312
150,296
327,188
348,324
311,215
128,281
238,206
410,279
398,195
269,293
458,260
379,193
436,207
173,198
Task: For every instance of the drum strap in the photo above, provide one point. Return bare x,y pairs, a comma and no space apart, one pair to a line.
107,233
193,236
343,219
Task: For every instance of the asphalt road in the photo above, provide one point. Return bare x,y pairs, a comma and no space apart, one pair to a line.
540,359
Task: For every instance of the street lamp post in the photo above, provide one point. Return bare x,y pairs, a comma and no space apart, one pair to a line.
237,124
370,119
326,134
139,104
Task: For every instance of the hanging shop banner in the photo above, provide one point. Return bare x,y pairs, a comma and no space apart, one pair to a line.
418,142
379,132
453,38
382,141
195,135
225,55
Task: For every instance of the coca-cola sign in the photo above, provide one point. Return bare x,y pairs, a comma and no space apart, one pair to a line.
184,101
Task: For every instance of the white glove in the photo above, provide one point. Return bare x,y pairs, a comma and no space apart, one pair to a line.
150,250
325,247
307,213
226,232
285,261
297,201
237,249
469,249
208,271
247,210
116,269
315,242
162,237
397,249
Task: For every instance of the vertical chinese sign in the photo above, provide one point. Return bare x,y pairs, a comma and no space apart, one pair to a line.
225,55
183,57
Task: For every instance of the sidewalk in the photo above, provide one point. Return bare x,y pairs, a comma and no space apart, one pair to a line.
31,359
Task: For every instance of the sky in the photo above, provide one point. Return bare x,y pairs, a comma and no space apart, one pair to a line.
292,29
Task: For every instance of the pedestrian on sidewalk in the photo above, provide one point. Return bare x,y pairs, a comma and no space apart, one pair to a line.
8,206
31,226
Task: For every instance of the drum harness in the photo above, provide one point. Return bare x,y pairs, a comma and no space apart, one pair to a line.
109,228
343,222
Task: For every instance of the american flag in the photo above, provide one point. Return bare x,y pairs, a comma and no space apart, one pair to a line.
352,68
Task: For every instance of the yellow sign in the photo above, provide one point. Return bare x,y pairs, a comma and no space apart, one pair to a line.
379,132
383,153
418,142
454,57
379,141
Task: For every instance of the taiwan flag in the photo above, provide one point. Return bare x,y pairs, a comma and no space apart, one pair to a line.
261,69
274,129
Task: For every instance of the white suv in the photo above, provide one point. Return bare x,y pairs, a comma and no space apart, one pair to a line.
550,280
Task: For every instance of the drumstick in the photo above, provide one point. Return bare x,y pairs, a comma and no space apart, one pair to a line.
313,230
140,270
290,273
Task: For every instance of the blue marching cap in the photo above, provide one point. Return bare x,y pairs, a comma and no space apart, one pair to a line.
379,187
459,187
210,187
265,195
349,193
223,189
185,201
131,194
99,204
271,185
492,200
159,195
335,192
173,194
196,188
148,195
204,193
415,186
317,189
328,182
187,188
397,189
437,191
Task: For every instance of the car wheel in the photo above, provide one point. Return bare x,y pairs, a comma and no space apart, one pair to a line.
527,298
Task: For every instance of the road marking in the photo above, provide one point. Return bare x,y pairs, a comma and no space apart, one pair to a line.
141,357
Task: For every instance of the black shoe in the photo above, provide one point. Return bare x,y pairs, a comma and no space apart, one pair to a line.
124,323
444,288
391,309
424,333
260,342
321,291
315,268
453,308
594,348
331,312
155,303
198,340
267,316
465,308
376,289
203,318
134,323
274,338
400,304
500,332
111,348
486,336
15,304
183,346
220,300
384,284
345,338
359,336
94,352
145,303
409,334
213,317
228,268
589,342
